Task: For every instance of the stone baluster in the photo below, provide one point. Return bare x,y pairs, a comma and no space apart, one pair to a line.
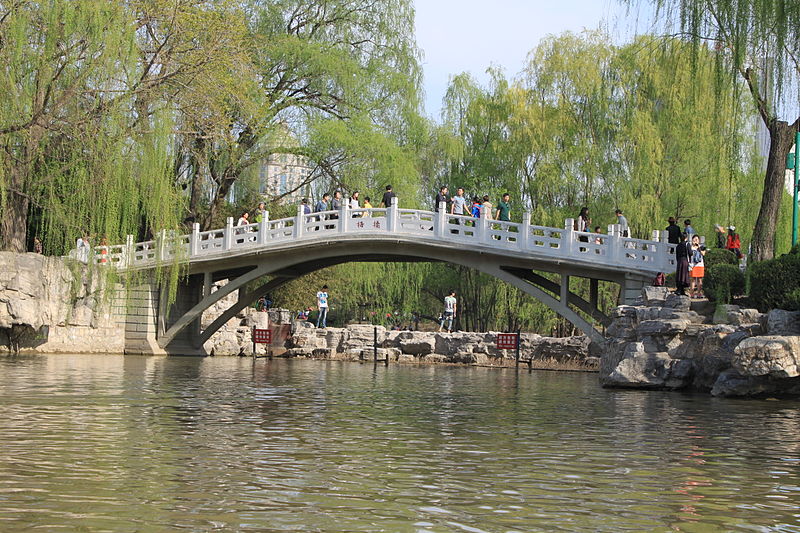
568,237
614,241
162,243
344,215
263,228
299,223
392,216
194,240
129,256
440,220
227,235
525,229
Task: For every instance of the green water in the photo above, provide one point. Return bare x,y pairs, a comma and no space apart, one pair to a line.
108,443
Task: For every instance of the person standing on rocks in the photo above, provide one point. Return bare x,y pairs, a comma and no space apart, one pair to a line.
322,306
682,254
450,304
696,267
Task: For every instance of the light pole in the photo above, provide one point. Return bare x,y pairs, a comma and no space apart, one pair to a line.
793,163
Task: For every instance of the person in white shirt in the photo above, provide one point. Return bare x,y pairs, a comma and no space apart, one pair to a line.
322,306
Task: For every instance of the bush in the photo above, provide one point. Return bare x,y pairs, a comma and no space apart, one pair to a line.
773,282
722,282
719,256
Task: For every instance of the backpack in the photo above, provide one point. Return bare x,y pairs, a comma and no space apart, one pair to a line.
660,280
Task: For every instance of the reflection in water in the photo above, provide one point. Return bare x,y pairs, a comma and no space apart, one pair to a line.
145,443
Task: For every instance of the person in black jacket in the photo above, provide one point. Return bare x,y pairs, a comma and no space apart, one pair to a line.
682,253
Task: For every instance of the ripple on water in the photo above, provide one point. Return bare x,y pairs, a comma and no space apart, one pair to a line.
132,443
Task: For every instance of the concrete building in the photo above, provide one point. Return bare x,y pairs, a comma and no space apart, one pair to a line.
281,173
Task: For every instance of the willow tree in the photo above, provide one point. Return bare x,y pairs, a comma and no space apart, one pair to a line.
86,146
758,42
351,61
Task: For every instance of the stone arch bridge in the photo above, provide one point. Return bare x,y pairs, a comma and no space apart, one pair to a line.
273,252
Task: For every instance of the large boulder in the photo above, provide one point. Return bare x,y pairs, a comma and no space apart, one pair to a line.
416,342
771,355
780,322
644,370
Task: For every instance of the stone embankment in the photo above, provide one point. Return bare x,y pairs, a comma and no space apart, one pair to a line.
48,307
356,343
661,343
53,305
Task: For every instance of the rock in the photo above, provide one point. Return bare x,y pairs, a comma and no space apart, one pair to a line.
280,316
678,302
772,355
654,295
416,343
434,358
406,358
469,358
639,369
780,322
661,327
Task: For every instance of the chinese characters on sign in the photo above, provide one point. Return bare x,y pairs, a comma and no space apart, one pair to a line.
262,336
506,341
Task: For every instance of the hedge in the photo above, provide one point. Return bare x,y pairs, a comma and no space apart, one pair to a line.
775,284
722,282
719,256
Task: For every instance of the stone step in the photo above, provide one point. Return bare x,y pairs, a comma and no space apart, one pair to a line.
703,307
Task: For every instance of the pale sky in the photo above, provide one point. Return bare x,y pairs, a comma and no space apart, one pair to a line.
470,35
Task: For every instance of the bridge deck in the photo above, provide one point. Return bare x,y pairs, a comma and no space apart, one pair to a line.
609,251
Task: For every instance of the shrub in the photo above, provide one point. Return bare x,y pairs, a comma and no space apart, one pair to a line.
773,282
719,256
722,282
792,302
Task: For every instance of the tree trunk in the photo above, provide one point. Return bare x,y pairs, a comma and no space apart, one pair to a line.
14,226
781,141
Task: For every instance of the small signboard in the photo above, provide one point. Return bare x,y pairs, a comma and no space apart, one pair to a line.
262,336
507,341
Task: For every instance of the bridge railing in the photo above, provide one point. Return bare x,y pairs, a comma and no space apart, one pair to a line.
611,249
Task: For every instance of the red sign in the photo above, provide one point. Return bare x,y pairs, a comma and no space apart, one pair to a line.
506,341
263,336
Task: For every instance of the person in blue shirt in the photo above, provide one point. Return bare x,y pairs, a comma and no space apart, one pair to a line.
322,306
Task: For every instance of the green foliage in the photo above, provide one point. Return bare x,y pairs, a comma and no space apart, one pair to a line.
723,281
719,256
772,282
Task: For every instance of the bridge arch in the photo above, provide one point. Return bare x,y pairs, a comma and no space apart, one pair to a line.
295,261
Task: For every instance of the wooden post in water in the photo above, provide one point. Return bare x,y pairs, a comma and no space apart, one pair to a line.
375,345
517,363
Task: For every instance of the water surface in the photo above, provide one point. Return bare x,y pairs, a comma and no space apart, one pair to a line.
111,443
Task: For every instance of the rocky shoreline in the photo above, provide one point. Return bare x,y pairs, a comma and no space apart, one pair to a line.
662,344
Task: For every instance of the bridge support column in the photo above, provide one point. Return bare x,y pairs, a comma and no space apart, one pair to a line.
593,292
564,296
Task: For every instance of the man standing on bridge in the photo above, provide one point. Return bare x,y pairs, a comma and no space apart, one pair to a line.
322,306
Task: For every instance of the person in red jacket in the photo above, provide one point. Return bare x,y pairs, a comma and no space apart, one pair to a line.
734,244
